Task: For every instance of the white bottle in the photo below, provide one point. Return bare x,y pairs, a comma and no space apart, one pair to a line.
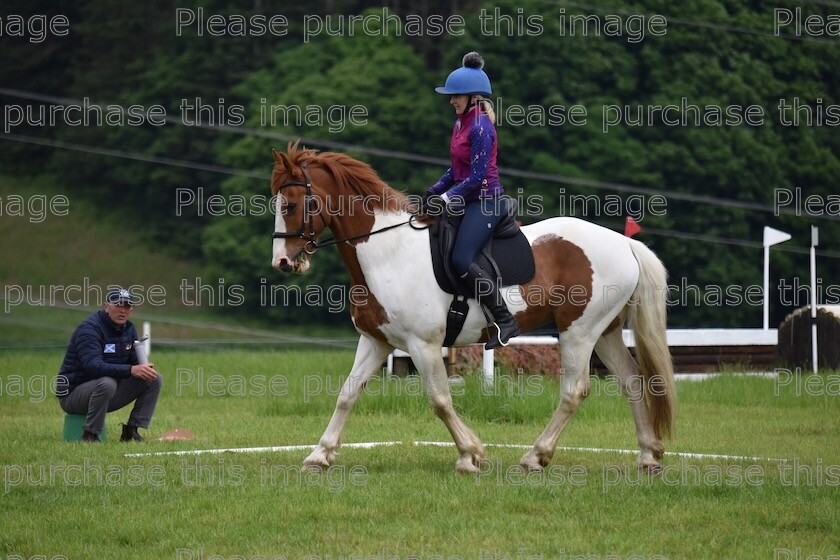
140,350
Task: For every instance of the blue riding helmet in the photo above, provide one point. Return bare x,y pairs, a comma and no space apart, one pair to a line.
470,79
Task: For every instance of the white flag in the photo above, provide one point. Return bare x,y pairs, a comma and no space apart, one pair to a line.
773,236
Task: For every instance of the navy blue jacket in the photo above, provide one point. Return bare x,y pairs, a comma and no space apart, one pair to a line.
98,348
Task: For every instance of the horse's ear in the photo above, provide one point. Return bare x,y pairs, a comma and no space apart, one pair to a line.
281,160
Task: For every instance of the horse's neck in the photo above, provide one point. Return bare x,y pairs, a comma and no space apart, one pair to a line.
386,218
383,248
347,226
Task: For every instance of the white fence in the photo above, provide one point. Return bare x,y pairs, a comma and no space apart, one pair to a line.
675,337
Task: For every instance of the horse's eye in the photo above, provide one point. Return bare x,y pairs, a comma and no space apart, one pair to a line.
291,207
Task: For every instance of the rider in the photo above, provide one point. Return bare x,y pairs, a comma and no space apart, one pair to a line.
472,185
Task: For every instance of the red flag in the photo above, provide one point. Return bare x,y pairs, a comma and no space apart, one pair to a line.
631,228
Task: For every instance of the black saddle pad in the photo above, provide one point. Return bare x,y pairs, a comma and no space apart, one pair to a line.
512,255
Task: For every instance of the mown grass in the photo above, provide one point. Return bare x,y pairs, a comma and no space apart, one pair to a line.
407,500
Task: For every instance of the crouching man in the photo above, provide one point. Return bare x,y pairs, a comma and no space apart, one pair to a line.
100,372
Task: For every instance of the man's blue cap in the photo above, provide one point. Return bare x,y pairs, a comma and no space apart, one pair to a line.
120,295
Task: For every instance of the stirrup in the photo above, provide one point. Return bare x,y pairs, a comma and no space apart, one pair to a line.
497,343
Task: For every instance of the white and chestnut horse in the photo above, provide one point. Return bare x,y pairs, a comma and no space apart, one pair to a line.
588,280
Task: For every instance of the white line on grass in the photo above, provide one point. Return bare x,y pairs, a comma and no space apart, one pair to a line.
619,451
703,376
361,445
372,444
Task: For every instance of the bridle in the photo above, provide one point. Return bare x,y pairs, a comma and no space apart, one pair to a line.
308,200
312,244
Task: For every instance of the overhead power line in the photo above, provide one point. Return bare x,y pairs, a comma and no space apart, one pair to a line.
246,131
738,242
254,175
518,173
135,156
381,152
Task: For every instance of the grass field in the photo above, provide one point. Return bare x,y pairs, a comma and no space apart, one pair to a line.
82,501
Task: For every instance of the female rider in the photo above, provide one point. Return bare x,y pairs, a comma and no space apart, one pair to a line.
472,184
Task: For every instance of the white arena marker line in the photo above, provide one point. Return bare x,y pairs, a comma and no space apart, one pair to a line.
372,444
676,454
619,451
703,376
360,445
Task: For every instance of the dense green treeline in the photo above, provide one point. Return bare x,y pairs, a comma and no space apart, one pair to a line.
720,178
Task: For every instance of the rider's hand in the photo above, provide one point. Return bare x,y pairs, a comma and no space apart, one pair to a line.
454,204
432,204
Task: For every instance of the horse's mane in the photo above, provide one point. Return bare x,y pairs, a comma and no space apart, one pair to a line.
352,177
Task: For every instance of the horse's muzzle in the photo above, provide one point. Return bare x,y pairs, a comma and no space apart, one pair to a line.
283,264
296,265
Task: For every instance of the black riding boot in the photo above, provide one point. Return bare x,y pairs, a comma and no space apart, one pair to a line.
486,290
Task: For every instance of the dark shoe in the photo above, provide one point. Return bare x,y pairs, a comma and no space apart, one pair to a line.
90,437
129,433
486,290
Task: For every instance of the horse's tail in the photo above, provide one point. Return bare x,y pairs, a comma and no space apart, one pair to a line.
648,321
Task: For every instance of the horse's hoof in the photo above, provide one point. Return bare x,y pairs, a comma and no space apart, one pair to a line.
532,467
468,466
314,467
316,463
534,462
650,468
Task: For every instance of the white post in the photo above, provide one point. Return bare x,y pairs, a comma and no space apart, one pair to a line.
488,366
815,240
771,237
147,337
766,321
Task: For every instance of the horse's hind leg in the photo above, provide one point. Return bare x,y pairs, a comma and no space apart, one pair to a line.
575,353
370,354
428,360
615,355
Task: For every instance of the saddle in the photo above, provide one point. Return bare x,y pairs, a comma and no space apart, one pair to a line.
507,256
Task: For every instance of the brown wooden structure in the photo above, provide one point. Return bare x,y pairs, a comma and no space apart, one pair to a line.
794,347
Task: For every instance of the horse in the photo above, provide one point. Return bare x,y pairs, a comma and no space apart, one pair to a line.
588,279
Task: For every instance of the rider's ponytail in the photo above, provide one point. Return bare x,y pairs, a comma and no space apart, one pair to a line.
487,107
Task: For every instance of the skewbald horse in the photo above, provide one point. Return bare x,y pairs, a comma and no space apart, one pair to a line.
589,280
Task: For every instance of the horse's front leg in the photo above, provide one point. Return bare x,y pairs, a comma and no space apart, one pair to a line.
428,360
370,354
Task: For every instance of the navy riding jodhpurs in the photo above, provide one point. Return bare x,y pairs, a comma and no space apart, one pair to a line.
480,219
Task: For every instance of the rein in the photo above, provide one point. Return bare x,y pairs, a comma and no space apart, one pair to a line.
312,244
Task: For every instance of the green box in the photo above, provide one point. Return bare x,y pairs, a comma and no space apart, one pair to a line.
74,427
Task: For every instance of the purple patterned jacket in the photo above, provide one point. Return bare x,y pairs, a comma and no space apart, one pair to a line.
473,174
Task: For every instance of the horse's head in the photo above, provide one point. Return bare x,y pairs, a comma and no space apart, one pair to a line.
314,191
298,218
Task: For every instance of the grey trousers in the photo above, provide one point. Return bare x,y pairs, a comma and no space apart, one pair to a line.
98,397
